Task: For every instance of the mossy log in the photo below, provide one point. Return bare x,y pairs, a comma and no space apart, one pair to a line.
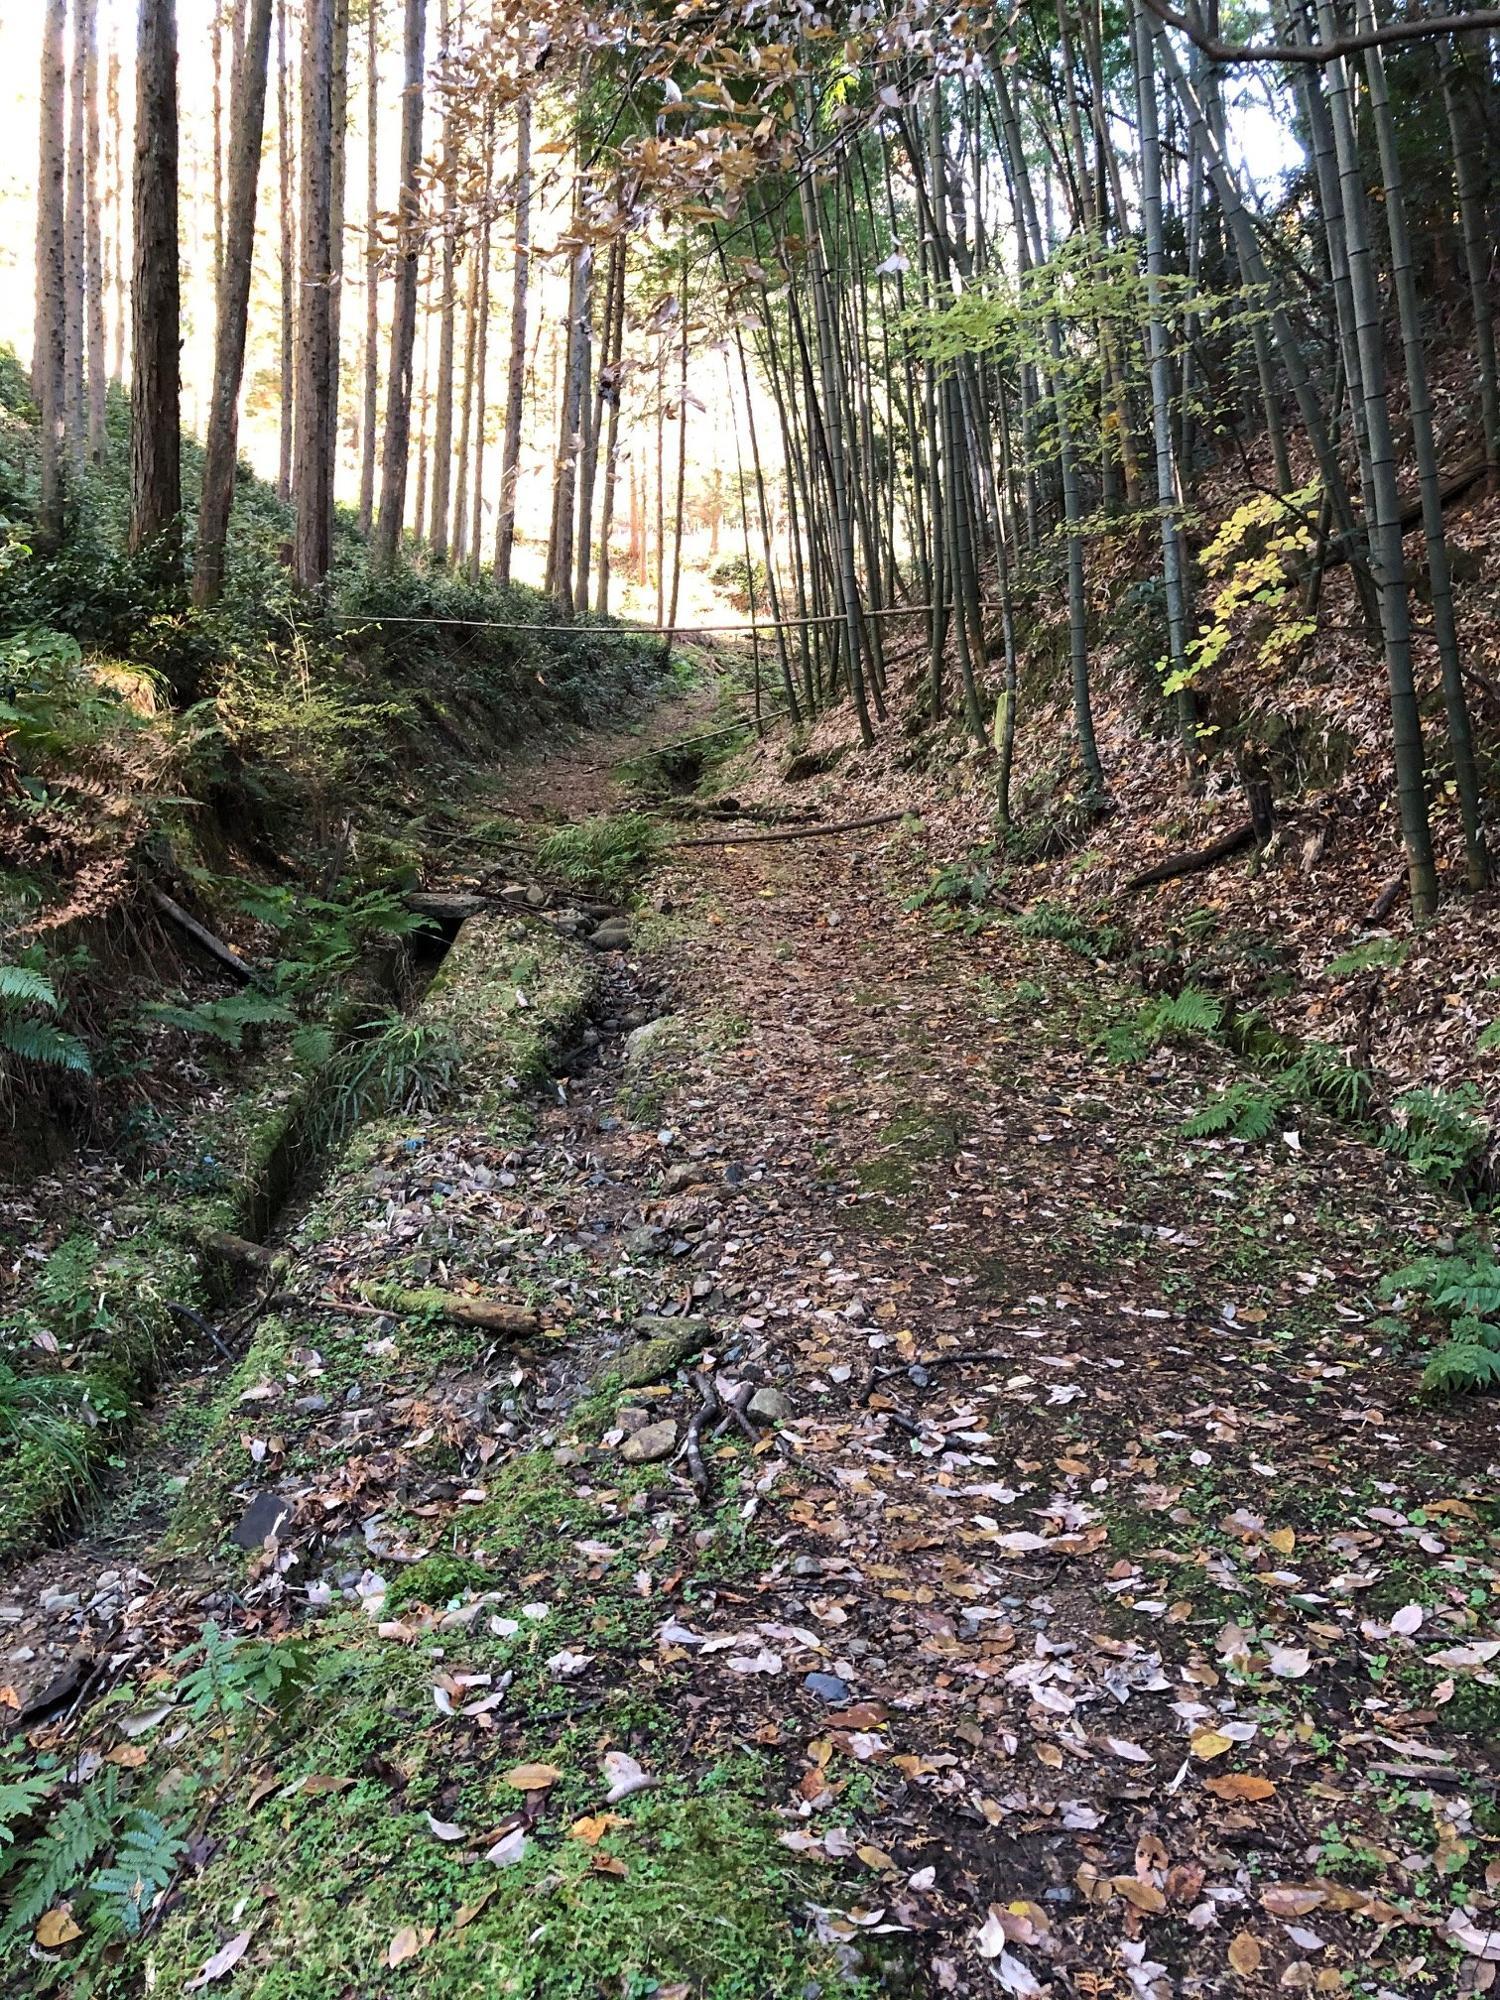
462,1308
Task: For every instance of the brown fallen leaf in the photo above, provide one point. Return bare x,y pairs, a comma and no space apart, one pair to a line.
404,1945
56,1927
1141,1895
1208,1743
1288,1899
1048,1754
1240,1785
129,1756
467,1912
224,1960
607,1864
316,1787
592,1828
533,1777
1245,1954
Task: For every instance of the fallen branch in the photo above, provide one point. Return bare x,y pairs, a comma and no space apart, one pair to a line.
201,935
815,831
1388,898
232,1249
692,1444
461,1308
1192,864
196,1323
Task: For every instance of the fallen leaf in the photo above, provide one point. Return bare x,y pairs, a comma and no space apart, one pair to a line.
601,1863
1408,1620
592,1828
625,1777
1141,1895
404,1945
509,1849
1245,1954
1288,1663
445,1829
1208,1743
225,1959
56,1927
532,1777
1240,1785
1287,1899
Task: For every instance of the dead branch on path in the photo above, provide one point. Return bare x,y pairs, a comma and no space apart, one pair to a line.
816,830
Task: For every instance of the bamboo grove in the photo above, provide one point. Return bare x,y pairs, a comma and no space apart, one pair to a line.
990,292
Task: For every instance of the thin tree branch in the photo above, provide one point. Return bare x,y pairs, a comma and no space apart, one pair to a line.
1481,22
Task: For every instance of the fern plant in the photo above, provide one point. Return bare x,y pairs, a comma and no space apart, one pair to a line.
227,1674
1175,1017
1238,1112
1440,1133
1462,1290
1372,955
28,1031
223,1020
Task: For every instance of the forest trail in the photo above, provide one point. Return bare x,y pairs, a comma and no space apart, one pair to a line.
1096,1610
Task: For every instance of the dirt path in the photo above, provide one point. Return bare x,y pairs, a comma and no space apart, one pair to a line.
1096,1611
1101,1496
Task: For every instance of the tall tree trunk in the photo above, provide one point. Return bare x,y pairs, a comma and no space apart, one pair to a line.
404,314
611,386
481,365
247,112
117,235
338,186
682,423
75,259
1477,245
98,360
515,391
155,388
1386,559
1424,450
460,520
1172,564
48,368
441,483
285,161
313,460
370,405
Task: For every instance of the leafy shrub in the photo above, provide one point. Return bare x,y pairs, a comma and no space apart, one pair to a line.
1461,1290
1440,1133
962,884
607,855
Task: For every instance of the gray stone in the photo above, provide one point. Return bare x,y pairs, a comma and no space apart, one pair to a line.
613,935
264,1518
769,1406
642,1039
829,1686
686,1174
667,1343
651,1443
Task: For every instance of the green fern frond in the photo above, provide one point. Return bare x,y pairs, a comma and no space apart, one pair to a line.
143,1866
1375,952
1461,1367
24,986
1240,1112
40,1042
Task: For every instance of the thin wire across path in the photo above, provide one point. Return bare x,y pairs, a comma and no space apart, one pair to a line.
647,631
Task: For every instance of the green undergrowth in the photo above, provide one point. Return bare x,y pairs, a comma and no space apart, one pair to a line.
321,1802
93,1329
